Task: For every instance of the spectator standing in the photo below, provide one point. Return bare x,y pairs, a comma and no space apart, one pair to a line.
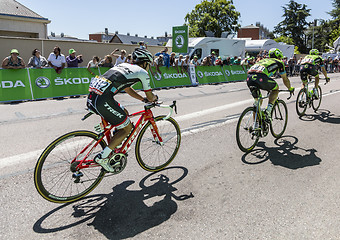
13,61
129,59
57,60
93,63
166,57
106,62
120,58
158,62
291,64
172,59
205,62
194,61
219,61
73,60
227,61
37,61
179,63
186,62
142,45
213,58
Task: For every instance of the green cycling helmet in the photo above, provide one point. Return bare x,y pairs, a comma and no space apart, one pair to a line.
275,53
314,52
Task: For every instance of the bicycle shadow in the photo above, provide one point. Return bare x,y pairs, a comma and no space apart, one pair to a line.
322,115
283,154
123,213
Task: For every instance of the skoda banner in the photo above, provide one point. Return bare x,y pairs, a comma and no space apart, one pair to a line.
14,85
180,39
210,74
169,77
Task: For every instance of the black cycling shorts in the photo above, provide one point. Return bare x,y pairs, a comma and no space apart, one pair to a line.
308,69
257,81
105,106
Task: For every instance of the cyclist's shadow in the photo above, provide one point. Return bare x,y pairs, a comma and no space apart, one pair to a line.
125,213
322,115
283,155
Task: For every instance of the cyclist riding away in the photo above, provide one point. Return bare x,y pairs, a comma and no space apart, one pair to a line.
309,65
259,77
101,97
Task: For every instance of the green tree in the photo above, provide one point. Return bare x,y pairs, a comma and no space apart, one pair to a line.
294,23
335,13
285,39
216,16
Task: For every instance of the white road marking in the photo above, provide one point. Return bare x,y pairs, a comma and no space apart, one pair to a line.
9,161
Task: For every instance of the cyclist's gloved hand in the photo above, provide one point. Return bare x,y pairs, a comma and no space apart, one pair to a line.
328,79
291,89
145,100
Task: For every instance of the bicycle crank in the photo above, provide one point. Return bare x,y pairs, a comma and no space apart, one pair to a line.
118,162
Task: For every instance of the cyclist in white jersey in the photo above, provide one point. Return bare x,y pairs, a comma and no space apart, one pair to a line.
101,97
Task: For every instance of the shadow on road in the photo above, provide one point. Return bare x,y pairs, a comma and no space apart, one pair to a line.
283,155
322,115
123,213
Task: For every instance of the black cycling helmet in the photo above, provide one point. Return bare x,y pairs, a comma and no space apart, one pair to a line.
275,53
142,55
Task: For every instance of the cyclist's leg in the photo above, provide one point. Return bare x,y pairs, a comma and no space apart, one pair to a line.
304,74
115,114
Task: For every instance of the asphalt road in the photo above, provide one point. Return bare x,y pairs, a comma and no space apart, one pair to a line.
284,189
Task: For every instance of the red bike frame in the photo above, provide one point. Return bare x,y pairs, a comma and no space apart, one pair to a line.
145,116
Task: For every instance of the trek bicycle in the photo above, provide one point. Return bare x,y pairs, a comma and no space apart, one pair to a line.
66,171
252,124
307,98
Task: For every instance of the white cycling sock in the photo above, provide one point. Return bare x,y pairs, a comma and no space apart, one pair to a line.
269,108
106,152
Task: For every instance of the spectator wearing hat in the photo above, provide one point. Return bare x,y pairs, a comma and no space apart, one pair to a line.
57,60
13,61
73,60
179,63
213,57
159,62
194,61
219,61
37,61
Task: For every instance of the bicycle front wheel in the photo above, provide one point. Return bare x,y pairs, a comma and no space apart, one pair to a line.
301,102
279,118
317,101
56,179
246,134
151,153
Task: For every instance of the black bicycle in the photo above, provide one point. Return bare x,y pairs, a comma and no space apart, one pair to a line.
252,124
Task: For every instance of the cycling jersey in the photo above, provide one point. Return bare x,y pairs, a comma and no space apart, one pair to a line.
268,66
313,60
119,77
103,88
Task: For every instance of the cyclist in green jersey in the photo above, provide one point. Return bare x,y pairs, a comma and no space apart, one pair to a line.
309,66
260,77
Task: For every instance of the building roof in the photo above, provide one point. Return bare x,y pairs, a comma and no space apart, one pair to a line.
16,9
126,39
250,26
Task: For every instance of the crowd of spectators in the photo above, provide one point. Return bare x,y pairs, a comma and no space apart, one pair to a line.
179,62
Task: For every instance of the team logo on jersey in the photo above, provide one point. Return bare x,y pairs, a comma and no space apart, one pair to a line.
199,74
42,82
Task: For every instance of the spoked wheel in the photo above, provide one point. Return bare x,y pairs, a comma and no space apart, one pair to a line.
301,102
56,179
154,154
279,118
317,101
246,134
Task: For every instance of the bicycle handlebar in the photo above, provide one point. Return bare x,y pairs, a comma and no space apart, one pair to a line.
171,107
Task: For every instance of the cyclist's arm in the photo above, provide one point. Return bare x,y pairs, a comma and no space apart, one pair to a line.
133,93
286,80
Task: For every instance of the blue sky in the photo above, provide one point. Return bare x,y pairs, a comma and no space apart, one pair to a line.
78,18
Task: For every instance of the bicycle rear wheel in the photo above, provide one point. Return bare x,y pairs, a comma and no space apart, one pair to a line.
54,175
153,155
317,102
301,102
279,118
246,136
